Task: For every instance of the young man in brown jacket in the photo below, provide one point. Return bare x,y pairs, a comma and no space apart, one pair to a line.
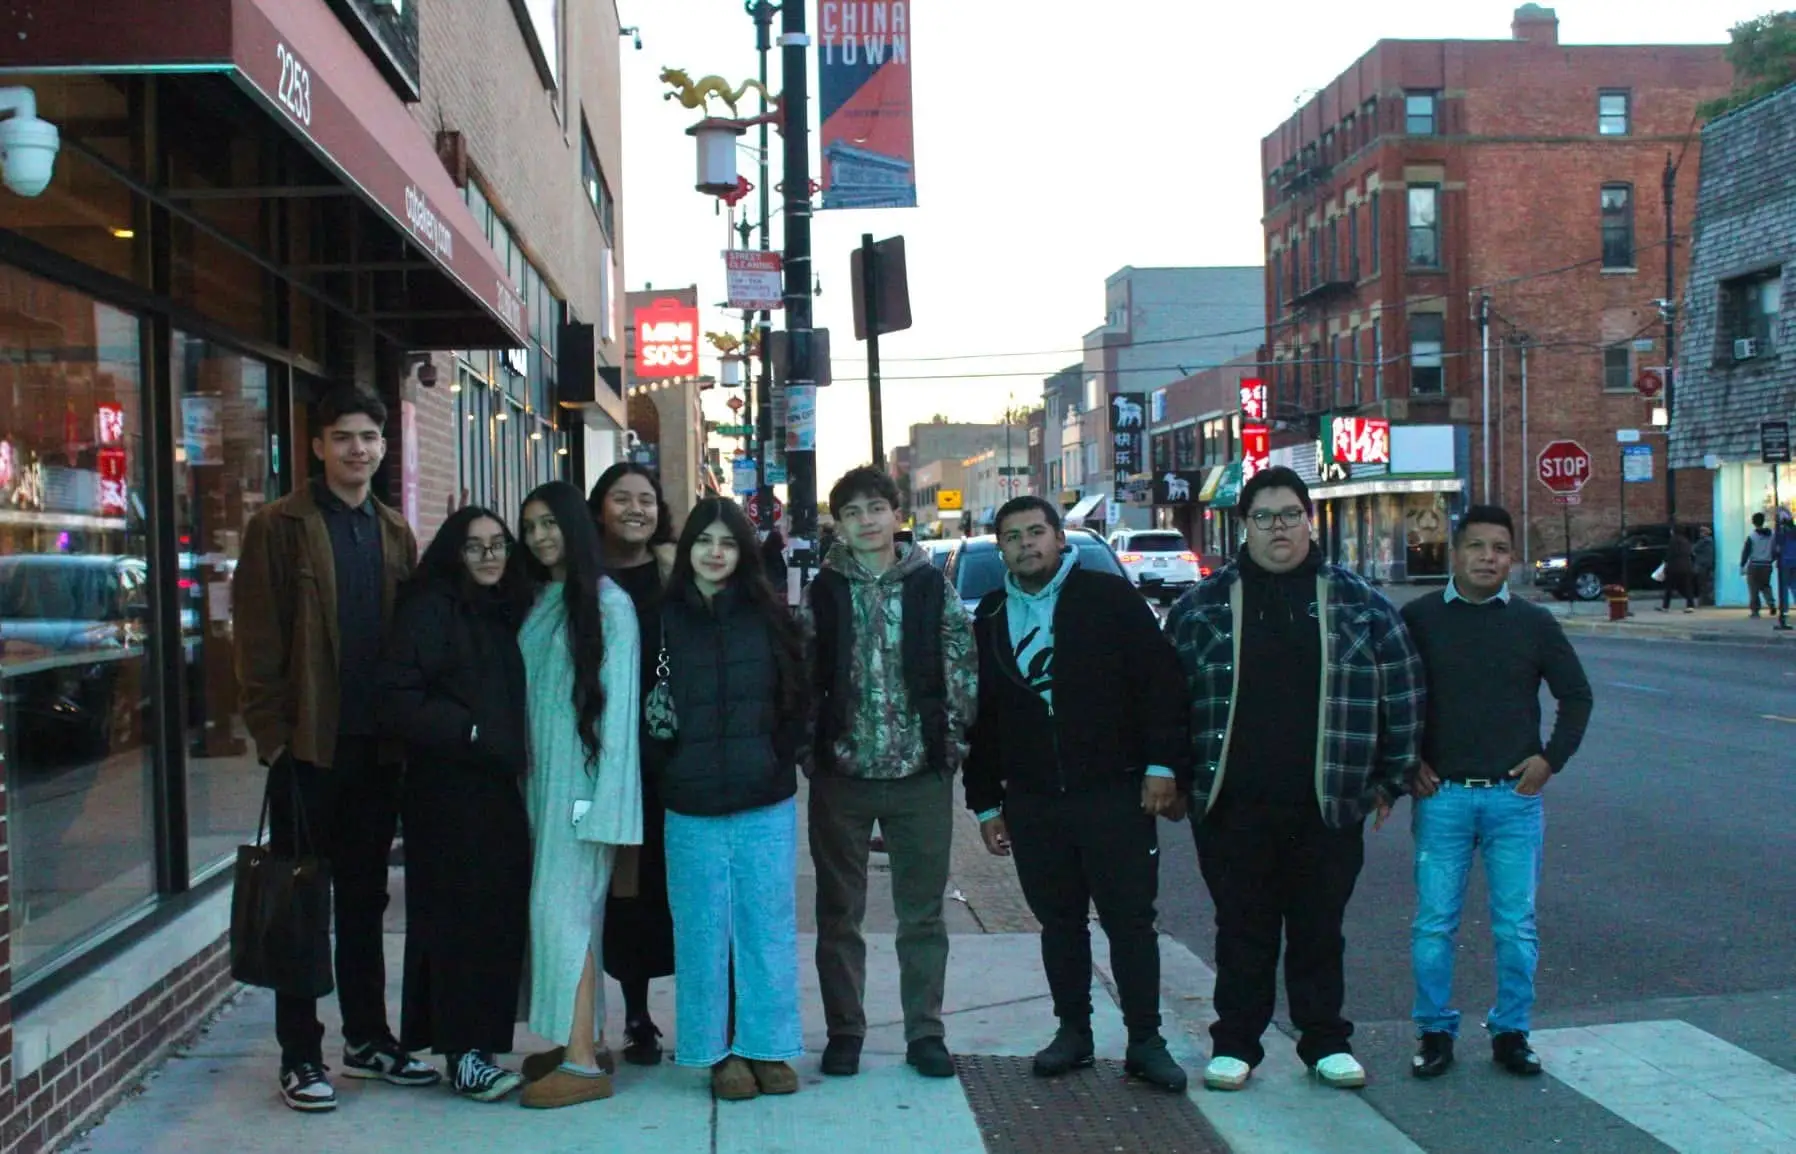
313,594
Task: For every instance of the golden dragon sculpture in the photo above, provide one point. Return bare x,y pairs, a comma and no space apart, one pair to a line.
698,94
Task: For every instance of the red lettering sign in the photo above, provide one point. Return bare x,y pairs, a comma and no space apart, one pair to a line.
1256,449
111,467
1253,398
667,340
109,424
1361,441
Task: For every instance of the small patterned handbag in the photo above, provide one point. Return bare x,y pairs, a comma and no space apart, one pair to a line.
658,711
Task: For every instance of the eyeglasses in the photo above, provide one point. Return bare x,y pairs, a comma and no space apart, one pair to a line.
1287,518
475,551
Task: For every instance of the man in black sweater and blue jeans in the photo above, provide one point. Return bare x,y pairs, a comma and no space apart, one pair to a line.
1480,780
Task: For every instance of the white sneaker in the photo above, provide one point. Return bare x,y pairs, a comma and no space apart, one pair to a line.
1342,1071
1226,1073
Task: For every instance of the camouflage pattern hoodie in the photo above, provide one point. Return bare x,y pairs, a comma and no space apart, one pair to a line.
885,735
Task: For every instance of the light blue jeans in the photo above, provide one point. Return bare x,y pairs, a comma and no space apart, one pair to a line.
1448,827
730,883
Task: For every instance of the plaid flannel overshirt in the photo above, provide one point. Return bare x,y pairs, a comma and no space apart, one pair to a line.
1371,721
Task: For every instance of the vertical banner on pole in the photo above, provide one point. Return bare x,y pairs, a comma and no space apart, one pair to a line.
864,104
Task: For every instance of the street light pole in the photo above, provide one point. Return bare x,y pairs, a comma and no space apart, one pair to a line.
1670,314
762,424
801,464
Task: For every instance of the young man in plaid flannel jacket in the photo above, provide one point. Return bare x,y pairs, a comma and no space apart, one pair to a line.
1307,702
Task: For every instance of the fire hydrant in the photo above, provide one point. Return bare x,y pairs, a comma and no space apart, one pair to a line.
1617,597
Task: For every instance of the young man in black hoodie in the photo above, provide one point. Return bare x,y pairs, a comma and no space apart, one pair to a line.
1078,790
1307,697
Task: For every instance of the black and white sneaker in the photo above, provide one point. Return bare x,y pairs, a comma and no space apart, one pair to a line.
385,1060
304,1087
475,1075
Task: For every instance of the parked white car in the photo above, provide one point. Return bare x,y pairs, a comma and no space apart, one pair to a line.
1158,561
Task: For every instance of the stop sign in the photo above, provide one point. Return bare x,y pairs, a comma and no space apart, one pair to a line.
752,506
1563,466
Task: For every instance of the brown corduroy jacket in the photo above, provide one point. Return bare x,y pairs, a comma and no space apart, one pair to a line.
284,607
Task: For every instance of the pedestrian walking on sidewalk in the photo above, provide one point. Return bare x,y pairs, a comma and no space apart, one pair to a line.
891,652
637,535
1786,567
313,596
452,689
1306,715
582,665
733,664
1478,785
1680,571
1758,562
1703,555
1073,791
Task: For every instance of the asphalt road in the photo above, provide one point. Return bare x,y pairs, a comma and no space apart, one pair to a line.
1667,892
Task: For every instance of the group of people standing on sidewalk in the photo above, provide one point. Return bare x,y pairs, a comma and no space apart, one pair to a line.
593,733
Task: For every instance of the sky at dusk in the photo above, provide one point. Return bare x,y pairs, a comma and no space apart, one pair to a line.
1056,143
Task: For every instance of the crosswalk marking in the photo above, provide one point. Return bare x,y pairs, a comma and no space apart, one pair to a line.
1684,1086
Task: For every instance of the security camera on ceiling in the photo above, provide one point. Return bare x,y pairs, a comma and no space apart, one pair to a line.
28,145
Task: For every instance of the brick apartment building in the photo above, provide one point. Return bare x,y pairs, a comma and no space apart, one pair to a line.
1433,175
254,200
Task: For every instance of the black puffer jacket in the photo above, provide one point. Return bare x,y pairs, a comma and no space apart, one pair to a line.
736,750
452,665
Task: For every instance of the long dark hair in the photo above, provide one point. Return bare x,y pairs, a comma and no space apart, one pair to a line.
595,501
585,564
442,566
749,582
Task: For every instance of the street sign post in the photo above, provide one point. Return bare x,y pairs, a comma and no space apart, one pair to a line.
1564,467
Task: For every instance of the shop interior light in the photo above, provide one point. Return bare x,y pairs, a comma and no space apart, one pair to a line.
122,233
456,387
537,436
561,452
503,415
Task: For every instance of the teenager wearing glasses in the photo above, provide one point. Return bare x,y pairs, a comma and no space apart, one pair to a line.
452,689
1307,700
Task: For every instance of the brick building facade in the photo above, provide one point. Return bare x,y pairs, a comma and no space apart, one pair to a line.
255,200
1439,186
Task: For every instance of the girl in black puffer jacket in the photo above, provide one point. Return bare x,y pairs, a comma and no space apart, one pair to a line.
734,670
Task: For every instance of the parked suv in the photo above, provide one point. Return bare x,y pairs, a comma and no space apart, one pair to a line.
1158,562
977,568
1628,561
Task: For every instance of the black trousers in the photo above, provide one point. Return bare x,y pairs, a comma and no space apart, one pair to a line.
1680,584
1073,850
351,814
1271,869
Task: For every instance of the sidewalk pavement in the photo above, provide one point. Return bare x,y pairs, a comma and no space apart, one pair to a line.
216,1092
1646,622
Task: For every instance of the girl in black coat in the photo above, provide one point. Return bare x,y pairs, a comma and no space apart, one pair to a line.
452,689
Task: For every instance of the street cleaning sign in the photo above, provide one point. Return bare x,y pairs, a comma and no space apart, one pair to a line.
754,280
864,104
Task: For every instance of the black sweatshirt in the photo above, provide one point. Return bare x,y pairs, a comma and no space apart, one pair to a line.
1272,745
1485,665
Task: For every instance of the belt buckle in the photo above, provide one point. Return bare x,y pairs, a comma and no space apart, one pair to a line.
1481,783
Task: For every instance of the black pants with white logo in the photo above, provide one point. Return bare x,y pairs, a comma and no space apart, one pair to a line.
1074,850
1278,871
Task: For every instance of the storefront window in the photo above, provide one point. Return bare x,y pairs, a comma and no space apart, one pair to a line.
78,696
224,472
1425,534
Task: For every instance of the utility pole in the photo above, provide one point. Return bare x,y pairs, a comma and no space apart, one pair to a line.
762,420
1670,312
801,464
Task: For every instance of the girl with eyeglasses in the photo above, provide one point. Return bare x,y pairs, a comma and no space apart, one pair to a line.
452,688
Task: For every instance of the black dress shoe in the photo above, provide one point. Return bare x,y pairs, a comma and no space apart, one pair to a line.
1434,1057
1512,1052
1071,1049
930,1058
842,1057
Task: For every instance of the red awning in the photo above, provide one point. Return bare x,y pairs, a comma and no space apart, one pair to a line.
296,59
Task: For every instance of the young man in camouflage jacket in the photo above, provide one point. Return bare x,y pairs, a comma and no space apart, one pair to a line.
1307,702
896,678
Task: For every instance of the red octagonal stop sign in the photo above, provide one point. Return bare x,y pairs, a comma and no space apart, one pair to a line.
1563,466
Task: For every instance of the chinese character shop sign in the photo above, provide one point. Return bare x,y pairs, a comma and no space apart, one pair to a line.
1128,435
1253,398
1256,450
109,459
1360,441
667,340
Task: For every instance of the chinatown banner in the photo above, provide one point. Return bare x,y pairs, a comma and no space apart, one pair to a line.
864,102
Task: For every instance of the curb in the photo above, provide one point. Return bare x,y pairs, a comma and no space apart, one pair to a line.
1623,631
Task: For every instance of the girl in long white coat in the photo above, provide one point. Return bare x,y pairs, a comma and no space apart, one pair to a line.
581,658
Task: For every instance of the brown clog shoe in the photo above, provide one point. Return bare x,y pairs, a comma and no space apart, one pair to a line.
560,1088
733,1081
774,1077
